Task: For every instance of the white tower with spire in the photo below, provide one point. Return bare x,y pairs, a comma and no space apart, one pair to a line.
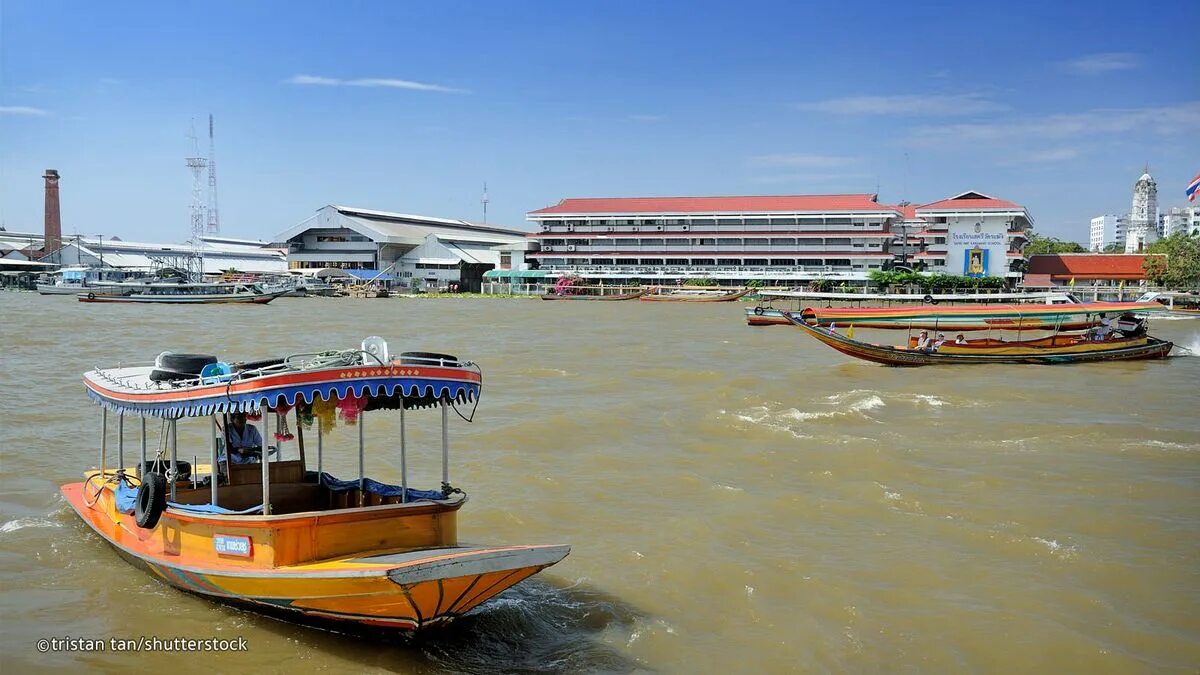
1143,216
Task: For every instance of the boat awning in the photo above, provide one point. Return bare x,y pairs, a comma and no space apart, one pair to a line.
371,275
129,391
515,274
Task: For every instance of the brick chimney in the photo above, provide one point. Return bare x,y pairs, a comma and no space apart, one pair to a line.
53,235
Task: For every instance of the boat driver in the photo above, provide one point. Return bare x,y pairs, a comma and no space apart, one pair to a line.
243,440
1101,331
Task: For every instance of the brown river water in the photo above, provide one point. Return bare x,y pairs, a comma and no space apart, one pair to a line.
738,499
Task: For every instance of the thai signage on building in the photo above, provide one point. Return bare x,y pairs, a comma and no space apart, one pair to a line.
977,248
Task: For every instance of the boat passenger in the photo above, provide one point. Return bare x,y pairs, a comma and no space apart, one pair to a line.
941,340
243,440
1101,331
924,342
960,340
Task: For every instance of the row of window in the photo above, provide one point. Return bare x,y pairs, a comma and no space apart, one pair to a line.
708,262
701,241
339,264
709,222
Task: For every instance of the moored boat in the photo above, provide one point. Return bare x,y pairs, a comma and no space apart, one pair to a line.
182,294
1056,349
1078,316
593,296
693,295
271,535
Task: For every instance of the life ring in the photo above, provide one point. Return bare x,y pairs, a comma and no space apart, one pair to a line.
91,296
928,299
758,311
151,500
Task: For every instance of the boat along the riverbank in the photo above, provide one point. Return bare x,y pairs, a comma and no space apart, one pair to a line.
182,294
274,536
593,296
1078,316
1056,349
767,313
689,295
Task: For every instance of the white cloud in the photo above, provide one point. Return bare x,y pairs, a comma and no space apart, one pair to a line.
1171,120
1098,64
932,104
802,160
23,110
387,83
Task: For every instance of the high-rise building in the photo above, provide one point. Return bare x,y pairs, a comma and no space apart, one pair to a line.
1107,230
1181,219
1143,216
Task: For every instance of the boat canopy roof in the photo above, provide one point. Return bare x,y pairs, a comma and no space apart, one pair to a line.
413,380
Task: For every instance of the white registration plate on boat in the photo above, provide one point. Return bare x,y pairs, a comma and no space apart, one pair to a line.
228,544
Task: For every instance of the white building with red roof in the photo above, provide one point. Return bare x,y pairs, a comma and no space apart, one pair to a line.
785,238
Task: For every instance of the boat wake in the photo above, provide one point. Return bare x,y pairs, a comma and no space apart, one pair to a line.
22,523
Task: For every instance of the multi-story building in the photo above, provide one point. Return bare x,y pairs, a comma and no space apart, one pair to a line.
1108,230
773,238
1143,215
1181,219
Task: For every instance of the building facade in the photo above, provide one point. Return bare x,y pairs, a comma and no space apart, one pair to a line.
402,249
785,239
1080,271
1143,215
1108,230
1181,219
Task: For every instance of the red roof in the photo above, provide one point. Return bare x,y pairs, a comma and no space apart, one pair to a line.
909,211
1088,265
970,201
761,204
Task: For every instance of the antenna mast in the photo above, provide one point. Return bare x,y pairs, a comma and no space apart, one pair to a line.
214,218
197,165
485,202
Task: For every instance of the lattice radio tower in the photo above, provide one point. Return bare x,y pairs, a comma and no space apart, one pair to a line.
214,217
197,164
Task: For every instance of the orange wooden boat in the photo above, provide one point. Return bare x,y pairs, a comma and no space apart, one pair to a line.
273,536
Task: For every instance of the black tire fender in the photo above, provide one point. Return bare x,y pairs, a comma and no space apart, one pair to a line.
91,296
758,311
191,364
151,500
928,299
429,359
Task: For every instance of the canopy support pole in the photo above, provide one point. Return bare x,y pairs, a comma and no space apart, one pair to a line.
142,466
362,474
265,460
174,460
445,446
320,453
403,457
120,441
300,437
213,464
103,442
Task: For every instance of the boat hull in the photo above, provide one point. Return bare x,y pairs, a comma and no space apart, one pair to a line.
258,299
623,296
1065,317
397,589
1032,353
667,297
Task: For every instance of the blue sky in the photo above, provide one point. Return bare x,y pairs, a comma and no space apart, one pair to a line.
411,107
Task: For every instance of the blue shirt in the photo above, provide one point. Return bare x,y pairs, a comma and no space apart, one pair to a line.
248,438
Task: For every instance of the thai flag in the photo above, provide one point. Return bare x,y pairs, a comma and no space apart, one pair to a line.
1193,188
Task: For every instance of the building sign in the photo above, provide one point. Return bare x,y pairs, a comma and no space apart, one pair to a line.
977,247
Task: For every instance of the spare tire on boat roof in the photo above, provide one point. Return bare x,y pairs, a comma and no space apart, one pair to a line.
171,366
429,359
151,500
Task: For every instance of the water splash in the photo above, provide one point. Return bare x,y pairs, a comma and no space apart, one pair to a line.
22,523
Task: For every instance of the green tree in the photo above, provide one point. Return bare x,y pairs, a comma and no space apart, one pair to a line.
1114,248
1040,244
1181,267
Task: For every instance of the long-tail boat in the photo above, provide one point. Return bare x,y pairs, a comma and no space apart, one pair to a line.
272,536
1052,350
182,294
697,295
592,296
1076,316
764,314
